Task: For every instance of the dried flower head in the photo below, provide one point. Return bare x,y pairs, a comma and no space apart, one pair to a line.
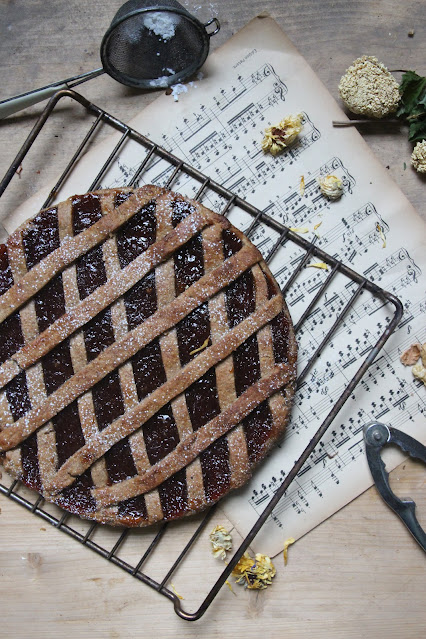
418,157
419,372
369,88
331,186
279,137
221,541
254,574
410,356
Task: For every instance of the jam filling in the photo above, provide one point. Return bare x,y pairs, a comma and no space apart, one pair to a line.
70,439
107,400
50,303
98,334
141,301
41,237
137,234
86,210
11,334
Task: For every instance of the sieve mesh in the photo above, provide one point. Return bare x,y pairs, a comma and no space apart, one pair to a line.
154,45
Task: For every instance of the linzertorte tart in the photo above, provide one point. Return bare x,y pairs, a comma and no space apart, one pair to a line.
147,357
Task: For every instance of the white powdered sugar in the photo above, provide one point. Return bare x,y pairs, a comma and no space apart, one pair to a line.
162,24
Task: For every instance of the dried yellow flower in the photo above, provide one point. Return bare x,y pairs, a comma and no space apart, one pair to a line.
419,371
423,353
302,185
331,186
221,541
287,543
418,157
322,265
254,574
279,137
410,356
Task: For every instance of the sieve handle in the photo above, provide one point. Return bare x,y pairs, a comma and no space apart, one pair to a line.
24,100
214,21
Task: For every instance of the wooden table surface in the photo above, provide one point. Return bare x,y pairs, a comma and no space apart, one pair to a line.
359,574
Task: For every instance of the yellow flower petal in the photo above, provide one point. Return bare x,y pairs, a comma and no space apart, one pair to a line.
302,185
322,265
382,235
175,591
200,348
299,229
287,543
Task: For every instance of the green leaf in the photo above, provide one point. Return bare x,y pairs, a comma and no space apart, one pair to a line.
412,107
412,89
417,131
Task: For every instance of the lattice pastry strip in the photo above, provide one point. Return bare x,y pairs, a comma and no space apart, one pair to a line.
182,292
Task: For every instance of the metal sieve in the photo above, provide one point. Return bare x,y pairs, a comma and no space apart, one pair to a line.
147,46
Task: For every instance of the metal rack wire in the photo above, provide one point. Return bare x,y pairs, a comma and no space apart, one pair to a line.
176,168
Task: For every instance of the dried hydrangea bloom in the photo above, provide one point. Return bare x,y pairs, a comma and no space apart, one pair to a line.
418,157
221,541
369,88
254,574
331,186
279,137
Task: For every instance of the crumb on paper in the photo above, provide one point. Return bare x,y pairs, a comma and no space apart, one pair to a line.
43,529
331,186
177,89
299,229
19,170
302,185
221,542
411,356
287,543
411,33
200,348
279,137
418,157
379,229
322,265
368,88
175,591
254,574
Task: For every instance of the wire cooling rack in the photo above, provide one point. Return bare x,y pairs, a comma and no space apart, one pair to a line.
272,236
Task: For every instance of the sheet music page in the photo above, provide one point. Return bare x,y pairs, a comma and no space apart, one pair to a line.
217,126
